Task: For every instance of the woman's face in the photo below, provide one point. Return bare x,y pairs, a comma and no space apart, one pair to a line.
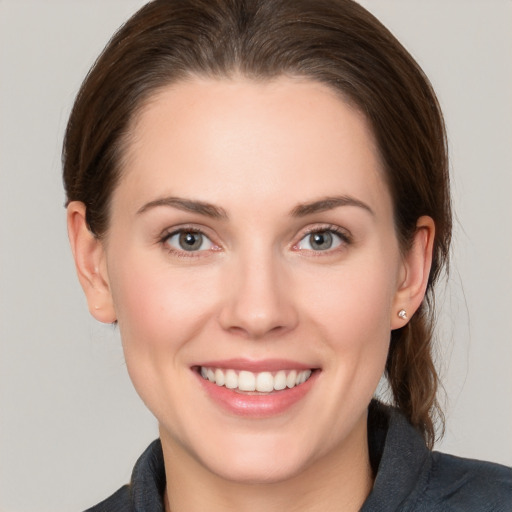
252,246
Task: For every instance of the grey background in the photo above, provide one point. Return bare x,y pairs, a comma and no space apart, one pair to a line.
71,426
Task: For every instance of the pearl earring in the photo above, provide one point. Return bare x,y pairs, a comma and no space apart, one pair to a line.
402,314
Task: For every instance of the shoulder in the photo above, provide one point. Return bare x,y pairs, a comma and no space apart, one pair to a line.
411,478
144,492
457,484
118,502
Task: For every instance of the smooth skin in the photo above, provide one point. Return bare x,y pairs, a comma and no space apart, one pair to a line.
249,165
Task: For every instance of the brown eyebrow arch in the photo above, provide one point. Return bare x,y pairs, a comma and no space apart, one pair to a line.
328,203
188,205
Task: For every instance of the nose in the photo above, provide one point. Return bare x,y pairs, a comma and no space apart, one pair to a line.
259,299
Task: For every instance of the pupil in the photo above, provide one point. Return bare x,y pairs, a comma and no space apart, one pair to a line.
191,241
321,241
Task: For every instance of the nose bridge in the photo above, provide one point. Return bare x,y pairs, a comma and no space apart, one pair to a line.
259,300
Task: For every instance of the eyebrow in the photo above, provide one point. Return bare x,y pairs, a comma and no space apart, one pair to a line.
216,212
328,203
187,205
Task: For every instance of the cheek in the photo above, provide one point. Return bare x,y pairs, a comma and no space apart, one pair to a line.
360,301
352,311
159,307
160,312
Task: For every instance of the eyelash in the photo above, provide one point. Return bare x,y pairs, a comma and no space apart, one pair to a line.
183,253
342,234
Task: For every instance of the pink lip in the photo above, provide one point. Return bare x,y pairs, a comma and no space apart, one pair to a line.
267,365
256,405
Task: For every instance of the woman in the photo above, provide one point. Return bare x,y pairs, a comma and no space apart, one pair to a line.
258,195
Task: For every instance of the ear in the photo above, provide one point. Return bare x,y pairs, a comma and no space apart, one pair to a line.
414,274
90,262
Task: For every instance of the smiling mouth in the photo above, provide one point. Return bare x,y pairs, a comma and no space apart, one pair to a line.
262,382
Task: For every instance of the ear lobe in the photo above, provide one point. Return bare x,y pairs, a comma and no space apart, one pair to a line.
89,255
415,273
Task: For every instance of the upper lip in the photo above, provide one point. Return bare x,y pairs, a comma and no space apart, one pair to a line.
252,365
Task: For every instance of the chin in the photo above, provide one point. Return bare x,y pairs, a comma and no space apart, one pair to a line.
265,469
257,458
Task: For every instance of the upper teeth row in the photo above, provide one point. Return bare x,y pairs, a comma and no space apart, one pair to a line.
249,381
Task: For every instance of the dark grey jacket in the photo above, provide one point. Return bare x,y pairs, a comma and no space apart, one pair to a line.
409,477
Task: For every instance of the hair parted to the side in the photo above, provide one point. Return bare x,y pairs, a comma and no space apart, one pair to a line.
336,42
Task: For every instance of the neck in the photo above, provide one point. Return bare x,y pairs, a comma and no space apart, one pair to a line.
340,480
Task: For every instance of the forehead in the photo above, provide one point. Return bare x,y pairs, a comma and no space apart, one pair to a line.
274,140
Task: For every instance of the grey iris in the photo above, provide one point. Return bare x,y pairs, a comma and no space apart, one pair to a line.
190,241
321,241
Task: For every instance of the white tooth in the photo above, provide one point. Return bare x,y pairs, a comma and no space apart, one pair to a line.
297,379
280,380
303,376
231,379
210,374
203,372
246,381
290,379
264,382
219,377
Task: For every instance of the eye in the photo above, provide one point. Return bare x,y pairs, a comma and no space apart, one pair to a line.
188,240
321,240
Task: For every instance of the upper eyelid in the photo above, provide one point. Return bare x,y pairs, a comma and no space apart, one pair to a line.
182,253
168,232
342,232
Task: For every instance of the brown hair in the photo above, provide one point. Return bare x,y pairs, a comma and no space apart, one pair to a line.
335,42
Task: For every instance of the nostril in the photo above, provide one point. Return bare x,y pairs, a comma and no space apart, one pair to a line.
257,328
257,302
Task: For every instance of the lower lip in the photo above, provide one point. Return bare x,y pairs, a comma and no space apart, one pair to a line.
257,405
